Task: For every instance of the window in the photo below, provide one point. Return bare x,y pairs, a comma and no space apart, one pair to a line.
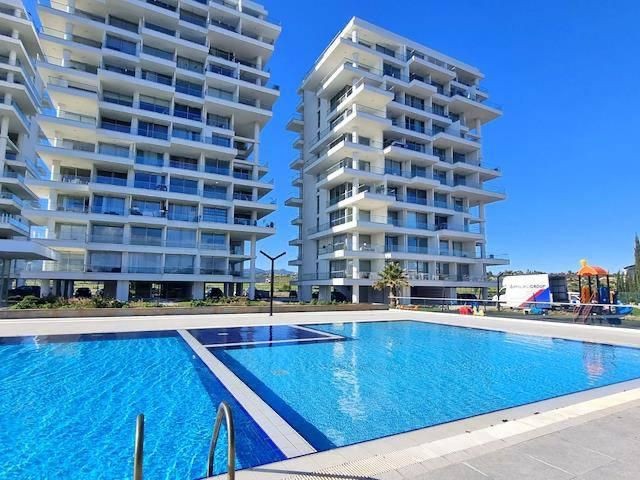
153,104
71,232
116,125
338,268
179,264
414,102
185,163
215,241
145,262
417,220
188,64
144,157
458,204
218,121
441,153
117,98
418,245
124,24
393,218
153,130
157,77
107,234
444,247
111,178
149,181
74,175
72,204
146,236
147,208
113,150
219,93
121,45
438,109
416,196
187,134
385,50
418,171
180,237
157,52
441,176
391,71
391,243
105,262
188,112
392,167
459,179
213,266
214,214
220,167
183,213
183,185
188,88
414,125
215,191
459,157
441,200
108,205
437,129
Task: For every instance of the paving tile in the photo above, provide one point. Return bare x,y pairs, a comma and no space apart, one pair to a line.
603,440
614,471
509,464
459,471
563,455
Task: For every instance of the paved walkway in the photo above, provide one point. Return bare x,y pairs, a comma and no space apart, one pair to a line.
606,448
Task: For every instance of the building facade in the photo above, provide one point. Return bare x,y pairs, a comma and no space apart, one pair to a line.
390,167
151,135
20,97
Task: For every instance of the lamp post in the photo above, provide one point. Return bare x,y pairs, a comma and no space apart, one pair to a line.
273,262
498,280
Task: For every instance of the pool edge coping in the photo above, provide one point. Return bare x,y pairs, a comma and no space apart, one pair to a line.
367,459
283,435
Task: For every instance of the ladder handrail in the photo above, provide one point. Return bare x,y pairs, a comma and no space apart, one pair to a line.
224,411
138,449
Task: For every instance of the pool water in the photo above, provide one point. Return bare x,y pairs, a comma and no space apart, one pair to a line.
68,407
393,377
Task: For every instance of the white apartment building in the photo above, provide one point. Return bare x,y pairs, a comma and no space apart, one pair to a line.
151,132
391,168
20,93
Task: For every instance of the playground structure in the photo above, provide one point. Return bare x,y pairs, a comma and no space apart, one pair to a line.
596,298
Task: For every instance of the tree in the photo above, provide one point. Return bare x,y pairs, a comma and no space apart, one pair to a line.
391,276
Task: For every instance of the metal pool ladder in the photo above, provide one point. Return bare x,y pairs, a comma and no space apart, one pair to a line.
138,449
224,412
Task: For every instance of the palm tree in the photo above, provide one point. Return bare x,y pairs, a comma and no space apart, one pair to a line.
391,276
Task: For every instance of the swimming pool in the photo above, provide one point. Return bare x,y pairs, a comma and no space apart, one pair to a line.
68,407
393,377
68,404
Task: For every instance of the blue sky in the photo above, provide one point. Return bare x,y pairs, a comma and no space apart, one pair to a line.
567,74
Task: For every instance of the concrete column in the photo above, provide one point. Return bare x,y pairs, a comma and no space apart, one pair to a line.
324,294
252,269
355,294
122,290
66,57
45,288
197,290
304,293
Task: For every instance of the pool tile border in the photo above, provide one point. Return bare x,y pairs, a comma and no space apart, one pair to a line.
290,442
367,460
